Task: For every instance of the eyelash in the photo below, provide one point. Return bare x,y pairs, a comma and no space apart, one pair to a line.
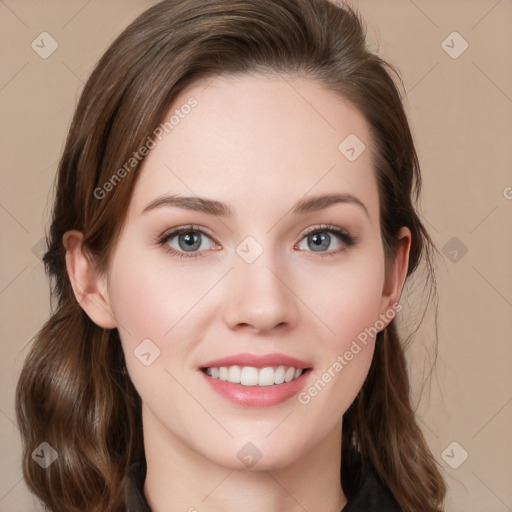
346,238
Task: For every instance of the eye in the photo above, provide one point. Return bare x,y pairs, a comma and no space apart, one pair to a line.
186,242
191,241
326,239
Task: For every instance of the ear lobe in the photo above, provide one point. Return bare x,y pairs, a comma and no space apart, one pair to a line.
397,272
89,285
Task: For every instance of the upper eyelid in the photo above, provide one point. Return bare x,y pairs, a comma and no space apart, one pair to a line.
172,232
324,227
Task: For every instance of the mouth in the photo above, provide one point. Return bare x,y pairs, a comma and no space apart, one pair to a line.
256,381
252,376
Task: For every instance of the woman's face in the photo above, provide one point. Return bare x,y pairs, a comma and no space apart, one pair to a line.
279,265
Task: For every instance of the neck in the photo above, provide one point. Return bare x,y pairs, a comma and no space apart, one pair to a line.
179,478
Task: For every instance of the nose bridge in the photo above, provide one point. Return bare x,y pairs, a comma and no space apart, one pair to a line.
257,295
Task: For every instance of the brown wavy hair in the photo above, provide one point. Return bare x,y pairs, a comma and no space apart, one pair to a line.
73,391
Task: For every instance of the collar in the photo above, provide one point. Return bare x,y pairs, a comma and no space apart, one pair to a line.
369,493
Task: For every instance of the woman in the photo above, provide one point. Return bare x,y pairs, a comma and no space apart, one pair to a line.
233,225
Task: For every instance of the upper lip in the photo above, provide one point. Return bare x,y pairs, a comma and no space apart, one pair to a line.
257,361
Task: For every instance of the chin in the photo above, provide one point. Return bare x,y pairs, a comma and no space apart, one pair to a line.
257,455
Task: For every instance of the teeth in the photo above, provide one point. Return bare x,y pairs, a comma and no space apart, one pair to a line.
266,377
234,373
251,376
279,375
288,374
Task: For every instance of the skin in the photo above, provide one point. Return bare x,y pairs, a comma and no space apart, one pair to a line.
259,144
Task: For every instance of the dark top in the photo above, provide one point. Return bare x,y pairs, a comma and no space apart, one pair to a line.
368,495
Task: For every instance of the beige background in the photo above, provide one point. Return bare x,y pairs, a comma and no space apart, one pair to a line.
461,115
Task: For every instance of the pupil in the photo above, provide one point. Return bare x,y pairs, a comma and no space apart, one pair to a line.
320,241
190,241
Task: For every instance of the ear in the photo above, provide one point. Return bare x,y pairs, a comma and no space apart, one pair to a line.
89,285
396,274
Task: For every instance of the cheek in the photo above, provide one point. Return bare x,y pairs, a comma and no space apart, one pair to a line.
148,303
347,299
153,306
149,297
139,305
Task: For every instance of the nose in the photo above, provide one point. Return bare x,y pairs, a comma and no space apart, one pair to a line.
260,297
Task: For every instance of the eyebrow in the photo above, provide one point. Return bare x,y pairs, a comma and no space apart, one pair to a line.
212,207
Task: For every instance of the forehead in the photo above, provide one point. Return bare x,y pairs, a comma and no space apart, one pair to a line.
252,141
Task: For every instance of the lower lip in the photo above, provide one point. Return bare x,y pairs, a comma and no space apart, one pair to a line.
256,396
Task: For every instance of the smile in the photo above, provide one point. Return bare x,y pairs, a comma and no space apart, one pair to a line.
252,376
251,380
